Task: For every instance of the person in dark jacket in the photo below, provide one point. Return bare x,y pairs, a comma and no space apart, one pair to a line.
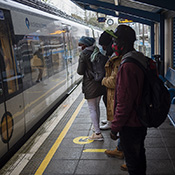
129,86
93,90
106,42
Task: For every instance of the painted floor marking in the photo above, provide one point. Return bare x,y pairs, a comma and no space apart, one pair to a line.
57,143
82,140
94,150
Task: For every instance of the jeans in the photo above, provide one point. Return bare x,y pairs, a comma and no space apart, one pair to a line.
119,146
132,141
94,110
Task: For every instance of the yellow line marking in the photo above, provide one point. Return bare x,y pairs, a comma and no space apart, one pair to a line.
57,143
94,150
34,92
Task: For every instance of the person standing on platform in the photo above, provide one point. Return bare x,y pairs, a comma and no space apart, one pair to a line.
105,41
109,81
128,93
111,68
93,90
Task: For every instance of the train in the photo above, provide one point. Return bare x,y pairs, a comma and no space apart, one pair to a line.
30,87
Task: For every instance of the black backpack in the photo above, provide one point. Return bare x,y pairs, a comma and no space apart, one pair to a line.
98,66
155,103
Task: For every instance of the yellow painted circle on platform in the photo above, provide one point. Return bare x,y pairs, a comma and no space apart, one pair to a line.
82,140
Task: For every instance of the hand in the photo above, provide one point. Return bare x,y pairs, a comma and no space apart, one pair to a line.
113,136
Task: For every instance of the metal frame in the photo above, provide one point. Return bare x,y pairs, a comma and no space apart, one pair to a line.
137,15
168,4
135,12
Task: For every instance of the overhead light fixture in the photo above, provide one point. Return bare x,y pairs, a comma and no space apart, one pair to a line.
116,3
93,7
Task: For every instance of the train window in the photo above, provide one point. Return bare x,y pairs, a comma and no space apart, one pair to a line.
57,49
9,69
50,56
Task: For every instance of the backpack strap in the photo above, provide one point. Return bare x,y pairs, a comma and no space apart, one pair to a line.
132,60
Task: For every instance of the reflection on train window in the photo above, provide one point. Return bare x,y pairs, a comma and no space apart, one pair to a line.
9,69
57,52
46,56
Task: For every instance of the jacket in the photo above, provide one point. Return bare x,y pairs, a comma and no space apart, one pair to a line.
111,68
129,85
90,87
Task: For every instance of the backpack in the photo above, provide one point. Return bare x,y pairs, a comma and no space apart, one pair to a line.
155,102
98,67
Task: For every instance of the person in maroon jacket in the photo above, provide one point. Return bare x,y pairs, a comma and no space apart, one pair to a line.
128,93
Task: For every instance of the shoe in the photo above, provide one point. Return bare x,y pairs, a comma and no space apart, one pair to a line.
124,167
104,122
115,153
37,81
94,136
106,126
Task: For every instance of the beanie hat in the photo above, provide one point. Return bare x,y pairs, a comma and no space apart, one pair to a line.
125,33
87,41
105,38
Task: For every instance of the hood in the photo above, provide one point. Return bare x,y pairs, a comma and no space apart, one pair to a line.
91,48
138,56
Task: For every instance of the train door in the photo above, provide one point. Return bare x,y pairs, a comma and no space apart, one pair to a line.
3,126
68,55
11,97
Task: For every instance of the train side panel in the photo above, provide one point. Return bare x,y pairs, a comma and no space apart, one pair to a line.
30,87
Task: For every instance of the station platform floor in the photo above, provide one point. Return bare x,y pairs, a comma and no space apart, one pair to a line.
60,146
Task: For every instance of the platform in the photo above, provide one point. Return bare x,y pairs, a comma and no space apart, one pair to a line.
60,146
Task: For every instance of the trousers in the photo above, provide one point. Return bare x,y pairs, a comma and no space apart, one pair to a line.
132,142
94,110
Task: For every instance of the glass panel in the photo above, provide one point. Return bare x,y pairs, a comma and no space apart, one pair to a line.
9,70
57,52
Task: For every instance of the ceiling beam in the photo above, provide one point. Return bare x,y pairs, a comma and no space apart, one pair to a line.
166,4
121,15
127,10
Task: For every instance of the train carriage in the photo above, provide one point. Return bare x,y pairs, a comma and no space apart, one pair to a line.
25,99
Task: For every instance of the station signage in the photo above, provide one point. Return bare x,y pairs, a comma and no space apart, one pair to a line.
122,20
101,19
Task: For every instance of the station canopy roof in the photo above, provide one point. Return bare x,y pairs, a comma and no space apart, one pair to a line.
143,11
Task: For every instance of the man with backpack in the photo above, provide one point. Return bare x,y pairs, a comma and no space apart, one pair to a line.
128,94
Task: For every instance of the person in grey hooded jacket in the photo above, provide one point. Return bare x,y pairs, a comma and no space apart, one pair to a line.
93,90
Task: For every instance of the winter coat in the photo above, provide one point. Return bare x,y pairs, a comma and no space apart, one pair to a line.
90,87
111,68
129,86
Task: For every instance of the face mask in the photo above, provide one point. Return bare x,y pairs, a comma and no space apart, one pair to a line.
117,49
102,50
80,48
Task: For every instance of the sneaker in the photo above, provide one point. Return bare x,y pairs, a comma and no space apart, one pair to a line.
106,126
94,136
104,122
124,167
115,153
